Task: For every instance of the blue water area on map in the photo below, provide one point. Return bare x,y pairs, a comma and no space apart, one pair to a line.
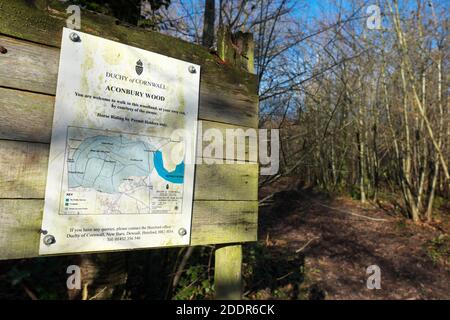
104,162
175,176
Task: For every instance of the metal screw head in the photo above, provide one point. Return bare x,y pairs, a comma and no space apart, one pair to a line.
192,69
49,240
3,50
74,37
182,231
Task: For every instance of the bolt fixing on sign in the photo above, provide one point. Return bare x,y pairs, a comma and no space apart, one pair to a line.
49,240
74,37
192,69
182,231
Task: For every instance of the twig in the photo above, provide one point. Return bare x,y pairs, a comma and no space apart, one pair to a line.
172,274
286,275
349,212
343,211
211,253
180,269
29,293
97,294
311,240
264,204
266,198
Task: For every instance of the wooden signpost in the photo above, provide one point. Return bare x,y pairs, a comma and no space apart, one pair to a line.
225,205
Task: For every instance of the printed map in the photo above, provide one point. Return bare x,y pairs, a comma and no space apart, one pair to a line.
112,173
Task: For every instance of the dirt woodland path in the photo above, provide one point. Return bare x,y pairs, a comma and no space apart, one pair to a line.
335,245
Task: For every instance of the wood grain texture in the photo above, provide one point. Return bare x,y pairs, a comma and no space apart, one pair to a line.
25,116
23,170
227,272
238,143
28,66
20,222
224,222
228,105
213,222
226,182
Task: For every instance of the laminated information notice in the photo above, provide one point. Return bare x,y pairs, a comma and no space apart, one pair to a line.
121,163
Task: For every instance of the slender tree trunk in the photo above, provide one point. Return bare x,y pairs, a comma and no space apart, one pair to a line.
208,23
361,149
429,212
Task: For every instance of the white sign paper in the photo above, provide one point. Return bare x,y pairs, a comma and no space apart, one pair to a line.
121,167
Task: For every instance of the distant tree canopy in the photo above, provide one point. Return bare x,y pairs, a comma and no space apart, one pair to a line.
130,11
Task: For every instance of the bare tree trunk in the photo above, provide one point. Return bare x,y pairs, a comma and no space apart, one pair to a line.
361,143
406,63
208,23
429,212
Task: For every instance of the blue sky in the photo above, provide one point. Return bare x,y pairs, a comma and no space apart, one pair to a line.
318,8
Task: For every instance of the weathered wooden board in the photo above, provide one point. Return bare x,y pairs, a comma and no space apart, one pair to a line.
22,20
23,174
28,66
224,222
243,142
21,222
220,214
33,67
226,182
23,169
25,116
